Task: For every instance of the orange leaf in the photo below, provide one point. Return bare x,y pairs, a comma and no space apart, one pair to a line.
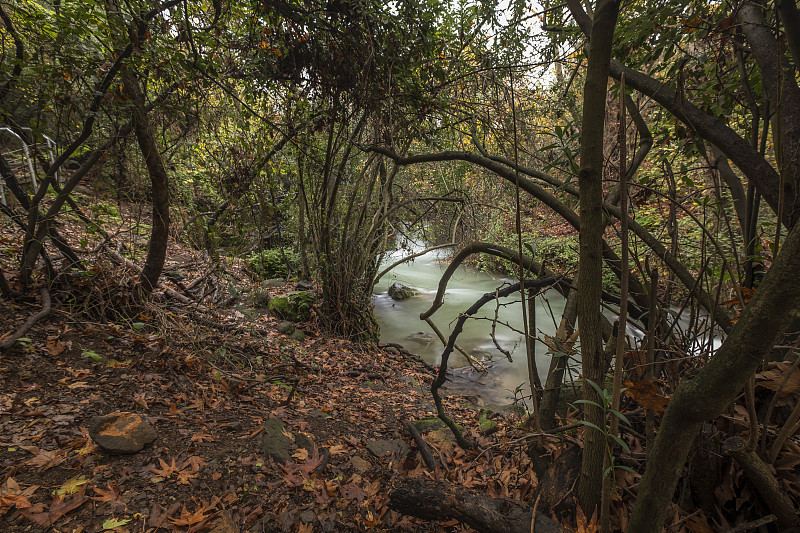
646,393
58,508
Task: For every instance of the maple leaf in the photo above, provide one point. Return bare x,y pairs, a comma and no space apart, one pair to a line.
351,492
301,454
781,376
338,449
584,525
190,519
646,394
72,485
58,508
166,470
201,437
110,495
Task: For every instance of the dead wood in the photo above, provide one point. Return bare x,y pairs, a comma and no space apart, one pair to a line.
424,449
439,500
758,472
46,308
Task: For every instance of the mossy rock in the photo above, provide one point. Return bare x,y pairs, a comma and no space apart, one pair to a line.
486,425
425,425
294,306
398,291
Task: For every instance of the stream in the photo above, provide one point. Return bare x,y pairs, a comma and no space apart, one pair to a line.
400,323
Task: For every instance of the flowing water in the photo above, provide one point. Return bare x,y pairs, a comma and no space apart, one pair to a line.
400,323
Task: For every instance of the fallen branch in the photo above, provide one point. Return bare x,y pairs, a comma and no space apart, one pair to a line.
409,258
754,524
758,472
424,449
46,308
439,500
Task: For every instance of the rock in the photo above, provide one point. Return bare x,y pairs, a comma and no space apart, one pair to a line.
294,306
121,433
361,465
398,291
305,441
274,442
486,425
421,337
274,282
304,285
285,327
381,446
298,335
429,424
391,350
234,426
224,524
316,413
308,516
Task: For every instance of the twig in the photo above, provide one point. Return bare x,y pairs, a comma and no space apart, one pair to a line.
754,524
46,308
427,456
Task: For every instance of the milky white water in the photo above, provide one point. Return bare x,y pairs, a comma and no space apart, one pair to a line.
399,319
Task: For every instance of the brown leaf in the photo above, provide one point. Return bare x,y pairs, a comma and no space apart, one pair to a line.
351,492
646,393
110,495
58,508
780,377
190,519
45,459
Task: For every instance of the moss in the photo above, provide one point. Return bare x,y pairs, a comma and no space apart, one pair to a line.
485,425
294,306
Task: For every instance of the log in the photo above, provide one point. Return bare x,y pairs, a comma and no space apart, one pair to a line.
440,500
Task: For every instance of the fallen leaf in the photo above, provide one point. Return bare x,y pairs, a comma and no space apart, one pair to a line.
58,508
72,485
646,393
112,523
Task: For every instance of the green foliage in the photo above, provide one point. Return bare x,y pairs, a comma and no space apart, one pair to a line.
273,263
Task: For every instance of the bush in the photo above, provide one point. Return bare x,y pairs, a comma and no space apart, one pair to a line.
273,263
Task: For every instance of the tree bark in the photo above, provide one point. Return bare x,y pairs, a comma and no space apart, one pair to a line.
157,247
590,266
439,500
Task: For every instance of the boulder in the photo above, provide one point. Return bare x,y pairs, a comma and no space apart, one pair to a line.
294,306
398,291
285,327
121,433
421,337
381,446
304,285
298,335
274,282
274,442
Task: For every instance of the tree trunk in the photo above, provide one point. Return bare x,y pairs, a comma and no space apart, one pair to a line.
590,184
765,318
157,248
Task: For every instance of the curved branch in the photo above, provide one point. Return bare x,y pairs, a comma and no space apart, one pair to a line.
409,258
19,53
46,308
441,376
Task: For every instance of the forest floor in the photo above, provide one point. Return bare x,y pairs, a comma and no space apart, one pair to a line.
209,390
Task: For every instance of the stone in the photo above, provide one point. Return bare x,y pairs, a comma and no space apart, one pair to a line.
121,433
392,350
398,291
298,335
304,285
316,413
429,424
486,425
294,306
274,282
381,446
421,337
274,442
305,441
308,516
361,465
285,327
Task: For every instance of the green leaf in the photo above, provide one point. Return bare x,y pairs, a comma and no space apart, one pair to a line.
587,423
620,415
622,443
111,523
590,402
